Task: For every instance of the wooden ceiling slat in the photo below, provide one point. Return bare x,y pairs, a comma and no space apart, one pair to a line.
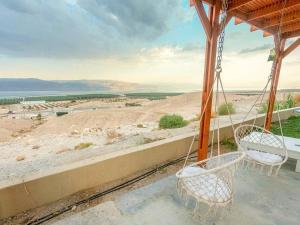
264,15
288,17
258,24
272,9
237,4
291,34
290,27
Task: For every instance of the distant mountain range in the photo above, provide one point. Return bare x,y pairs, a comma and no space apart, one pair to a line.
104,86
31,84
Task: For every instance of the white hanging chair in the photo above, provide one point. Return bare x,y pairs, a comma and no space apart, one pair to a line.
262,148
209,181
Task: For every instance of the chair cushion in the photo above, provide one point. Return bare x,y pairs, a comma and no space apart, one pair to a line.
264,156
208,187
192,170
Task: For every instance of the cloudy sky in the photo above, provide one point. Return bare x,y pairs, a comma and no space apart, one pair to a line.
131,40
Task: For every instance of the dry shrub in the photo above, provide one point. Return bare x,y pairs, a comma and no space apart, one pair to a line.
213,114
226,109
197,118
132,104
150,140
113,134
297,99
63,150
20,157
36,147
75,132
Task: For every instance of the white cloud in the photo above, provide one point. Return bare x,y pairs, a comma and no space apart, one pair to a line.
82,28
164,64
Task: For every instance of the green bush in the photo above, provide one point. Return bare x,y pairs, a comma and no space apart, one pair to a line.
263,108
290,127
290,102
229,144
39,116
226,109
172,121
286,104
61,113
57,98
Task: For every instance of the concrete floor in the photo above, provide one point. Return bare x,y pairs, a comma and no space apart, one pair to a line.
259,200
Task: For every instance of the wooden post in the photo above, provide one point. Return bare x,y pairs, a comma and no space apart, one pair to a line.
211,27
279,45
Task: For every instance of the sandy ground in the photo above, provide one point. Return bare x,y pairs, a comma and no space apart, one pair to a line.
29,146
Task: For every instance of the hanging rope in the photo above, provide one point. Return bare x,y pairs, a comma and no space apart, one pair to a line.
200,118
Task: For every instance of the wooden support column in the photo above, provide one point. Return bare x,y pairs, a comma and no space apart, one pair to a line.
279,46
211,26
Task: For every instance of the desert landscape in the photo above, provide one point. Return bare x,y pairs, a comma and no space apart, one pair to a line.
35,140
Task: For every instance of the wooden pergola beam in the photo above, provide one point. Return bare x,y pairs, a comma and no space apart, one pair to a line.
291,48
290,27
208,80
235,4
271,9
244,18
253,28
203,17
287,18
266,34
291,34
279,46
280,54
237,21
209,2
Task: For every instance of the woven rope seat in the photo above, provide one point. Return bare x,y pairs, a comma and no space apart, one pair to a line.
261,147
210,181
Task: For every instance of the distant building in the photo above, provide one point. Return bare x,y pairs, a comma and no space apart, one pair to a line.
32,102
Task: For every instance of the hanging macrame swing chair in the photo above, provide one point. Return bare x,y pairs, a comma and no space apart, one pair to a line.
210,181
263,149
